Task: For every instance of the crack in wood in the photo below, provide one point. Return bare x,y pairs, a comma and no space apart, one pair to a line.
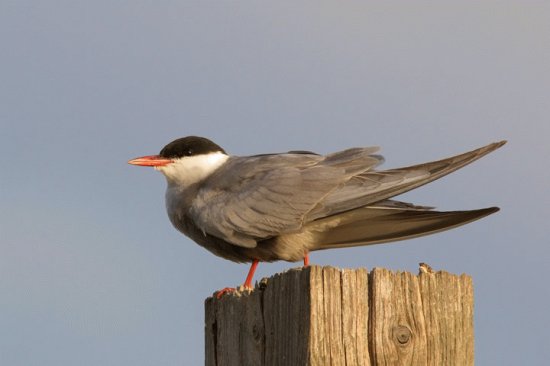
325,316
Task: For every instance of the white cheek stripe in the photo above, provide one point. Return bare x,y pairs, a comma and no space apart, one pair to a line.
192,169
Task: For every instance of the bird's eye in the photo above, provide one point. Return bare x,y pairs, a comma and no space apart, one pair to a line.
189,152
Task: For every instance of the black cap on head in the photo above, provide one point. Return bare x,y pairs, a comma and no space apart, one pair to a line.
189,146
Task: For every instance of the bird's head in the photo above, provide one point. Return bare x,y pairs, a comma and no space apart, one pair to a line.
185,161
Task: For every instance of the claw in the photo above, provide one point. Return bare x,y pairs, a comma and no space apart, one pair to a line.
247,283
223,291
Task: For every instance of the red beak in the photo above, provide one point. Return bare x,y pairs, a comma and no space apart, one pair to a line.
150,160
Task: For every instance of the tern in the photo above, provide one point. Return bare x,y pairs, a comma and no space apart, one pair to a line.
270,207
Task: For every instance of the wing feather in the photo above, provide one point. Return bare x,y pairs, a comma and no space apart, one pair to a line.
255,198
374,186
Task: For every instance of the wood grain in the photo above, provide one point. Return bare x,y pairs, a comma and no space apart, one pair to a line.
326,316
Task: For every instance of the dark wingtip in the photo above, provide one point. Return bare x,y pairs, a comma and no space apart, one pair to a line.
492,147
488,210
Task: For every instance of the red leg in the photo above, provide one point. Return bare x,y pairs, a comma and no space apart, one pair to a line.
306,260
247,283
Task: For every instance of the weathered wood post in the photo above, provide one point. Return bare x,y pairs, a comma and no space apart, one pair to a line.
326,316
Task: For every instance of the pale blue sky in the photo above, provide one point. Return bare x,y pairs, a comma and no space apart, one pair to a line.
91,271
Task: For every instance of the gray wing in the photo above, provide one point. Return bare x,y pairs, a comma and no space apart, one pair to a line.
374,186
254,198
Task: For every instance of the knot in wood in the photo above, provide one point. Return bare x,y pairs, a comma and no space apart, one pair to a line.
402,334
257,333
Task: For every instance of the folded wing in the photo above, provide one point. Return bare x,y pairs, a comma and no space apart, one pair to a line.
374,186
255,198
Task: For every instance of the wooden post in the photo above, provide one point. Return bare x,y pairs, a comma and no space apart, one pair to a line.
326,316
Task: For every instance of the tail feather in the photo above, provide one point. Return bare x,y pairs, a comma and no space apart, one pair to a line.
375,225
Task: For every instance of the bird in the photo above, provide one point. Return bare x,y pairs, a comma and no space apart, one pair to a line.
282,206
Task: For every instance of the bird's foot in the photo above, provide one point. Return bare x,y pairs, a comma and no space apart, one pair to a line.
223,291
247,284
